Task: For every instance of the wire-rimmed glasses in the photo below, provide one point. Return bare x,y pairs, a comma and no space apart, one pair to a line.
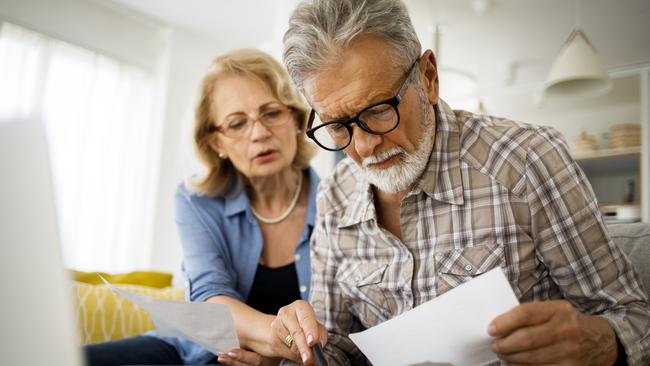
237,125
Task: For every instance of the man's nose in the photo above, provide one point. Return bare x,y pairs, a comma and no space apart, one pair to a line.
364,142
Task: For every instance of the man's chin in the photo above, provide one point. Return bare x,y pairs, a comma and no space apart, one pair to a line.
389,180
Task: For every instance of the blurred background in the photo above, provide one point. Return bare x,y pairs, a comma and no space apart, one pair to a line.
115,82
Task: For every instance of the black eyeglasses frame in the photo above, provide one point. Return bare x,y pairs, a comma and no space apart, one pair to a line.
393,102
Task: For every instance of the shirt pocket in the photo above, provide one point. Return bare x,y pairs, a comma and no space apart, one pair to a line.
363,290
457,266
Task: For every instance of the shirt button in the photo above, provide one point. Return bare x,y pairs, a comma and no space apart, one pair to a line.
468,268
303,288
296,257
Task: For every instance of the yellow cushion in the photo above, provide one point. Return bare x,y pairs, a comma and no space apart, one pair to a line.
104,315
148,278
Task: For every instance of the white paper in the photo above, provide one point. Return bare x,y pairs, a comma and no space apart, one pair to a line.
208,324
448,330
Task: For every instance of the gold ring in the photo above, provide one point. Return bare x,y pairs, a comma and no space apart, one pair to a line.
288,340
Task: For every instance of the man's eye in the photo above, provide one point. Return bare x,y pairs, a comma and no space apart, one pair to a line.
336,128
380,111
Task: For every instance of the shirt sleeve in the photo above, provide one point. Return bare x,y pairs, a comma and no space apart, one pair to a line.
573,243
328,301
205,258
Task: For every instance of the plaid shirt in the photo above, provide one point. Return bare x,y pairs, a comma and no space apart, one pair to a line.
494,193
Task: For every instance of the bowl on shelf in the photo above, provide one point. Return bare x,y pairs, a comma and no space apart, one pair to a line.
584,143
624,135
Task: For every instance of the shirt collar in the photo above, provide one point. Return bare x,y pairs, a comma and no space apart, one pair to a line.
440,180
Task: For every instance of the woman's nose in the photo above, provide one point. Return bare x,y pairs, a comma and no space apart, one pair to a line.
258,130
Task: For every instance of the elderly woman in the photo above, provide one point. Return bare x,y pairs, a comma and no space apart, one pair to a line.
245,224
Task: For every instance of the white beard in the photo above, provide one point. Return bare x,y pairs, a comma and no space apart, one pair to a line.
401,175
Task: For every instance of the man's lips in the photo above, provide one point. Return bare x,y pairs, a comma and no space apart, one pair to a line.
384,163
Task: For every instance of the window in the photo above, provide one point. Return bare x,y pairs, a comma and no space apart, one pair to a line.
103,151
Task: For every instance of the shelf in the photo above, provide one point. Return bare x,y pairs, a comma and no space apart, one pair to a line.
606,153
612,173
611,165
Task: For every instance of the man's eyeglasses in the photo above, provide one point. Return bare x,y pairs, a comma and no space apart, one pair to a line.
377,119
239,124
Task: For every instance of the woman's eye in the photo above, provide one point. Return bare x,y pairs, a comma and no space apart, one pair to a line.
237,124
272,114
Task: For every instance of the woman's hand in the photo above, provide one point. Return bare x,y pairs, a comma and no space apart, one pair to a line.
242,357
296,326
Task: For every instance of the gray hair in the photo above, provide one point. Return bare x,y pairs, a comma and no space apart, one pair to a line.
319,30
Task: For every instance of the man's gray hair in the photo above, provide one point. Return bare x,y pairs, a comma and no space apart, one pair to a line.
320,30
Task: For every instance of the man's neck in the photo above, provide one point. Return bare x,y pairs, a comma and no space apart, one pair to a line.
387,206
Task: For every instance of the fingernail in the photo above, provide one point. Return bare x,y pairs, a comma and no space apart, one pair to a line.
492,329
495,347
310,339
232,354
304,357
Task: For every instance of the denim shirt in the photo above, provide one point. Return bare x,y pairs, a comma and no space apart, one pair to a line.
222,245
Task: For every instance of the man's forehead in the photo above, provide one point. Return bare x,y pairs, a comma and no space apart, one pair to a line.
363,76
347,101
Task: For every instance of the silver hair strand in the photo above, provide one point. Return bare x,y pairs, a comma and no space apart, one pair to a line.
320,30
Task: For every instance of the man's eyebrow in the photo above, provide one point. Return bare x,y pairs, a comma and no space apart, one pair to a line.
339,119
372,98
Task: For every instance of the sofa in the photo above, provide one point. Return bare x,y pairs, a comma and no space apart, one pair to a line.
104,315
634,239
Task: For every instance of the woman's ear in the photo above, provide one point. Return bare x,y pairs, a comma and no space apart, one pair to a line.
214,144
429,70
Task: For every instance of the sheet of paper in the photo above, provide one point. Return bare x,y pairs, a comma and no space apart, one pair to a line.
448,330
207,324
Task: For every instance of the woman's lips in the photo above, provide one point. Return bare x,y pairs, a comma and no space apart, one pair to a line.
265,156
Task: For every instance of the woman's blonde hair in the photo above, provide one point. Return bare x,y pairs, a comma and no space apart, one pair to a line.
221,174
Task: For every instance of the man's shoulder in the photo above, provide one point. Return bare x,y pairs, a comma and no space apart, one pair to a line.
491,128
500,147
337,189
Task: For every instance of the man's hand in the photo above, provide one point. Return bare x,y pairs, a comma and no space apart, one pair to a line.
299,321
552,332
242,357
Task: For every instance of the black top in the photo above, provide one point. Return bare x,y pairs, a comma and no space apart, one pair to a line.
274,288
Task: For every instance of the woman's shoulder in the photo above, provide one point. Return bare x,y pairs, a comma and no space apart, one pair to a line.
186,196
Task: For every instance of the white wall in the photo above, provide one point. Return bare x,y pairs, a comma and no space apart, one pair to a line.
92,25
176,59
189,57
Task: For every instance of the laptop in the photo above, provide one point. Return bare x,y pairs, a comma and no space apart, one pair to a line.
36,315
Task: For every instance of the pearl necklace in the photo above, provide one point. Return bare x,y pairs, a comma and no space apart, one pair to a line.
292,205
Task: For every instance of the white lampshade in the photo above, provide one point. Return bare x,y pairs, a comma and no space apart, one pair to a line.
577,70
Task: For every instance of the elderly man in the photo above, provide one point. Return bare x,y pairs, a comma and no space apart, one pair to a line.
431,197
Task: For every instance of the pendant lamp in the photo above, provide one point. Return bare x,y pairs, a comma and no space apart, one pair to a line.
577,71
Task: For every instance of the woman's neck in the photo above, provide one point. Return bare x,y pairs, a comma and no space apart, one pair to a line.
271,195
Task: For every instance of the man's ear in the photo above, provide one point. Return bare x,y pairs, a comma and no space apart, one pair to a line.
429,70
